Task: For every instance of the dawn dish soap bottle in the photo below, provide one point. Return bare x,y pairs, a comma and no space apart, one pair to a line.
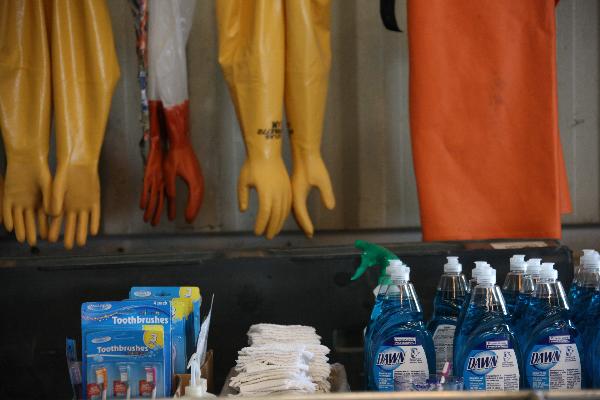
480,267
449,299
551,352
587,285
589,255
514,282
527,288
489,357
400,345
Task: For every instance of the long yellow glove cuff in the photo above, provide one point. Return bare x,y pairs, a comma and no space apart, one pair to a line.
251,54
85,71
25,117
308,61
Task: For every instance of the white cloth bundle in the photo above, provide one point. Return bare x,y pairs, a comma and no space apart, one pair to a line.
282,359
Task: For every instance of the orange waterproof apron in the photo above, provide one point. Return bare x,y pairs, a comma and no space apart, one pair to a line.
484,119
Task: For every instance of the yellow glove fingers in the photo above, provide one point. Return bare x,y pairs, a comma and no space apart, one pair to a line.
70,221
264,212
275,219
19,224
243,190
30,230
42,224
95,220
55,226
286,211
82,227
300,193
7,213
327,196
57,196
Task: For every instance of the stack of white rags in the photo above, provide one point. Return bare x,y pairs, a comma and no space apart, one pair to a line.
282,359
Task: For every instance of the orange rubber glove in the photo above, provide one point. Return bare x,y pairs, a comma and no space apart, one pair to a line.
169,25
153,192
251,54
84,74
25,117
307,65
181,161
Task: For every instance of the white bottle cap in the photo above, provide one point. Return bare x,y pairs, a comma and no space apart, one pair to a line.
199,391
480,266
452,265
588,254
398,270
533,266
548,271
517,263
589,259
487,277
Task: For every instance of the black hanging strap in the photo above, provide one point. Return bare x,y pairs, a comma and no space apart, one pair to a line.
387,9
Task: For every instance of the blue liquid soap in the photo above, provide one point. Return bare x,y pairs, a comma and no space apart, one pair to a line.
552,348
591,343
584,290
480,266
488,356
589,255
530,279
399,345
449,299
514,282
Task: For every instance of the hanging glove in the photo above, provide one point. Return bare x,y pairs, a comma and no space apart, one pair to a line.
25,117
153,192
84,74
181,161
308,61
251,54
168,31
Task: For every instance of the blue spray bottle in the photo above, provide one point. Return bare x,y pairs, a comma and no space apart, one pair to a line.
551,352
514,282
400,345
530,279
489,357
449,299
587,285
480,267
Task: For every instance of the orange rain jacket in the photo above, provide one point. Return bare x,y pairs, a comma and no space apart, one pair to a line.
484,120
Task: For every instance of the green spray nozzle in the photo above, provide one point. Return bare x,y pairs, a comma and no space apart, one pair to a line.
373,255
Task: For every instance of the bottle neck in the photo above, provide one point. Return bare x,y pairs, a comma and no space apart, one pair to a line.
486,296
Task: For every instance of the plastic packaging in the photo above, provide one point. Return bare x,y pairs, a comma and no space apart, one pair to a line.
399,344
551,352
449,299
487,353
525,292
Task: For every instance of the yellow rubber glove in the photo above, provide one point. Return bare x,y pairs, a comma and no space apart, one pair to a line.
25,117
84,74
251,54
308,61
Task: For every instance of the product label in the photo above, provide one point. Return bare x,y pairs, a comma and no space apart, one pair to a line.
398,361
93,391
492,366
146,388
553,363
443,340
119,389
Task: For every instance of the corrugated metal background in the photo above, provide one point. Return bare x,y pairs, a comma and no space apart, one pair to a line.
366,143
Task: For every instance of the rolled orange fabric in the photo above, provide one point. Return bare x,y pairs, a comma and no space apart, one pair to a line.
484,119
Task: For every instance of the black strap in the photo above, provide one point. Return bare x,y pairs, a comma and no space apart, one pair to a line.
387,9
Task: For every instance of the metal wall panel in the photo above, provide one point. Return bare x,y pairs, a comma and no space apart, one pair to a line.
366,143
